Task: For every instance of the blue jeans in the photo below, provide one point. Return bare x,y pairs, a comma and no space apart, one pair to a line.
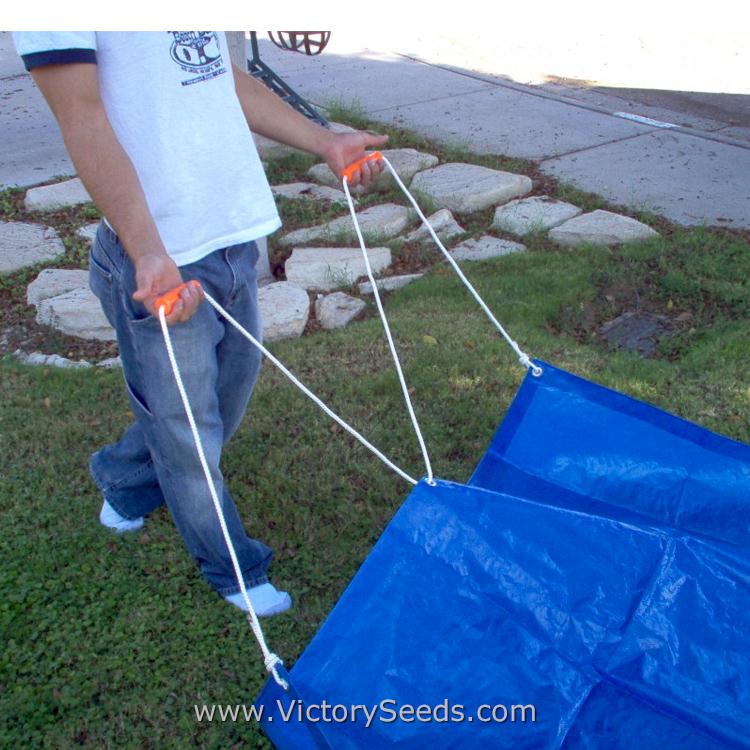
155,461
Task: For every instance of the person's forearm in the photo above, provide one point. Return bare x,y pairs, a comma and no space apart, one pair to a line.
270,116
72,91
108,175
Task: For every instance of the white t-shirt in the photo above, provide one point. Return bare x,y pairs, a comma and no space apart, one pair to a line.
171,101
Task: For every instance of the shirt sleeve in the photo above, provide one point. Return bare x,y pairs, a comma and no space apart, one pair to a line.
38,48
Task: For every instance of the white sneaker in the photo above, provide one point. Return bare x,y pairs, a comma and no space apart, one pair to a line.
266,599
110,518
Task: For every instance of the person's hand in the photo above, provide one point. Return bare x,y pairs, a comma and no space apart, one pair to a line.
345,148
156,274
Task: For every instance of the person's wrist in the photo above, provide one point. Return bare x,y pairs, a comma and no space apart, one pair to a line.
150,258
142,242
326,144
149,255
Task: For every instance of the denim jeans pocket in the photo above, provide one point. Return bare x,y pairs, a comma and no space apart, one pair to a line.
137,402
242,259
108,249
135,312
100,277
100,283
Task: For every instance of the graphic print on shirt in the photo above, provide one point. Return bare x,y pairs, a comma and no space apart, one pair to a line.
198,53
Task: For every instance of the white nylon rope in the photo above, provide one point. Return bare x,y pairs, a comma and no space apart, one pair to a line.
270,659
387,329
308,392
523,358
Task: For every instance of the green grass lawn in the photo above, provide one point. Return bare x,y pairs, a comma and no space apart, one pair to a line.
109,642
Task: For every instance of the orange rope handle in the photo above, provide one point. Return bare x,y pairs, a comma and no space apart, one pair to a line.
169,299
352,168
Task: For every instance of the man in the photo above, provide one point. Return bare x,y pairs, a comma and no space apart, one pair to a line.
158,127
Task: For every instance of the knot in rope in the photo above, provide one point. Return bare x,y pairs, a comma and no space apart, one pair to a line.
525,360
272,661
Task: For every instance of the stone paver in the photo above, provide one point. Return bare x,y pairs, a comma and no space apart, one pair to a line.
600,228
389,283
110,363
60,195
337,310
406,161
76,313
485,248
88,233
381,222
328,268
465,188
38,359
445,225
23,244
536,214
284,310
309,190
52,282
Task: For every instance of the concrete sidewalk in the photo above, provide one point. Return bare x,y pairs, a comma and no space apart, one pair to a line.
31,147
694,172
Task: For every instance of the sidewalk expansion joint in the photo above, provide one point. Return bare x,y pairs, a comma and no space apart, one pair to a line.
594,146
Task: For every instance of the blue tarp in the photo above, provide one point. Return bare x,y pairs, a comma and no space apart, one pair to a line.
591,584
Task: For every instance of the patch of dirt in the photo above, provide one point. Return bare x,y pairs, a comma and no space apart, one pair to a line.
629,315
638,332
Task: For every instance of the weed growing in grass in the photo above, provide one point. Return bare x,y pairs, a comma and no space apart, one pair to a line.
296,214
10,200
348,111
339,279
586,201
461,153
